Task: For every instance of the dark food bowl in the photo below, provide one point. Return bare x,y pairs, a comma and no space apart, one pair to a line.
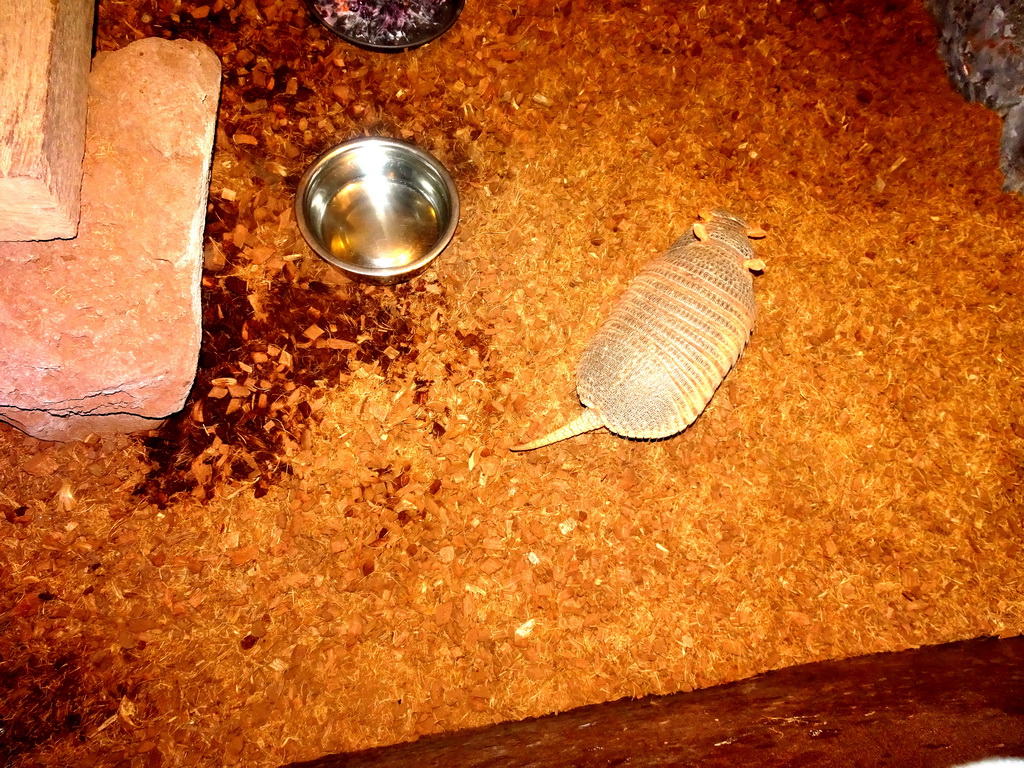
387,26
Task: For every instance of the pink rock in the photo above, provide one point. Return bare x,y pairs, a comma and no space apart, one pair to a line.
101,334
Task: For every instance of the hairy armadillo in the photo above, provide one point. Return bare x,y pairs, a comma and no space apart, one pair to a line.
668,343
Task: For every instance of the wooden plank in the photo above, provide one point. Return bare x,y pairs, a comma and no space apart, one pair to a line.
929,708
45,48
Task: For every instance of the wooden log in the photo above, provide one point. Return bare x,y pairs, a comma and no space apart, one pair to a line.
928,708
45,49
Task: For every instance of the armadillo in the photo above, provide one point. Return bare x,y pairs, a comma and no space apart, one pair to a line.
678,329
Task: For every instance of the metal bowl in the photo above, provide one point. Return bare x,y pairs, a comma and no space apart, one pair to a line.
388,35
380,210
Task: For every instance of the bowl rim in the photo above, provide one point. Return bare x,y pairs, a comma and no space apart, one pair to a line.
406,271
457,6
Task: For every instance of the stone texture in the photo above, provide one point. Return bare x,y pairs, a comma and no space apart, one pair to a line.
44,58
101,333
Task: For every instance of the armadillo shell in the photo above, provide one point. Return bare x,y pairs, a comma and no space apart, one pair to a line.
678,329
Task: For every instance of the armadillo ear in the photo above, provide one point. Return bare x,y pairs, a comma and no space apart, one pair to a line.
700,231
754,265
756,233
706,214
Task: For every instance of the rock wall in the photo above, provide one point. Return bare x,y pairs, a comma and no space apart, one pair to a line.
102,332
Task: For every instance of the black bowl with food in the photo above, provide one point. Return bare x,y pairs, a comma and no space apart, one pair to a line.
387,26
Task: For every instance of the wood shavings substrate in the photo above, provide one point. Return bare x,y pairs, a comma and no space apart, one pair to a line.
332,548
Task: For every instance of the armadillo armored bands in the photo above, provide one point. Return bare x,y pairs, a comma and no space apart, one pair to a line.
678,329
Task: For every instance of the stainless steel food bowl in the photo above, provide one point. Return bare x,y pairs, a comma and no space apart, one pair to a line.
378,209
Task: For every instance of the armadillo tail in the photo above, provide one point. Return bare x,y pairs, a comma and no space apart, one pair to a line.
587,421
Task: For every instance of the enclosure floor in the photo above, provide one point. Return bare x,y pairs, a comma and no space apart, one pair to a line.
332,548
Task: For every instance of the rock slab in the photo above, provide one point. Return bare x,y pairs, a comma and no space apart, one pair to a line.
44,58
101,333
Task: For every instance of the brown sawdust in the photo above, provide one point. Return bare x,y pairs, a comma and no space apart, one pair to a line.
332,547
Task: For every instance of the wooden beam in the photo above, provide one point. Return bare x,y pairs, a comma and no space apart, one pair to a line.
45,49
928,708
